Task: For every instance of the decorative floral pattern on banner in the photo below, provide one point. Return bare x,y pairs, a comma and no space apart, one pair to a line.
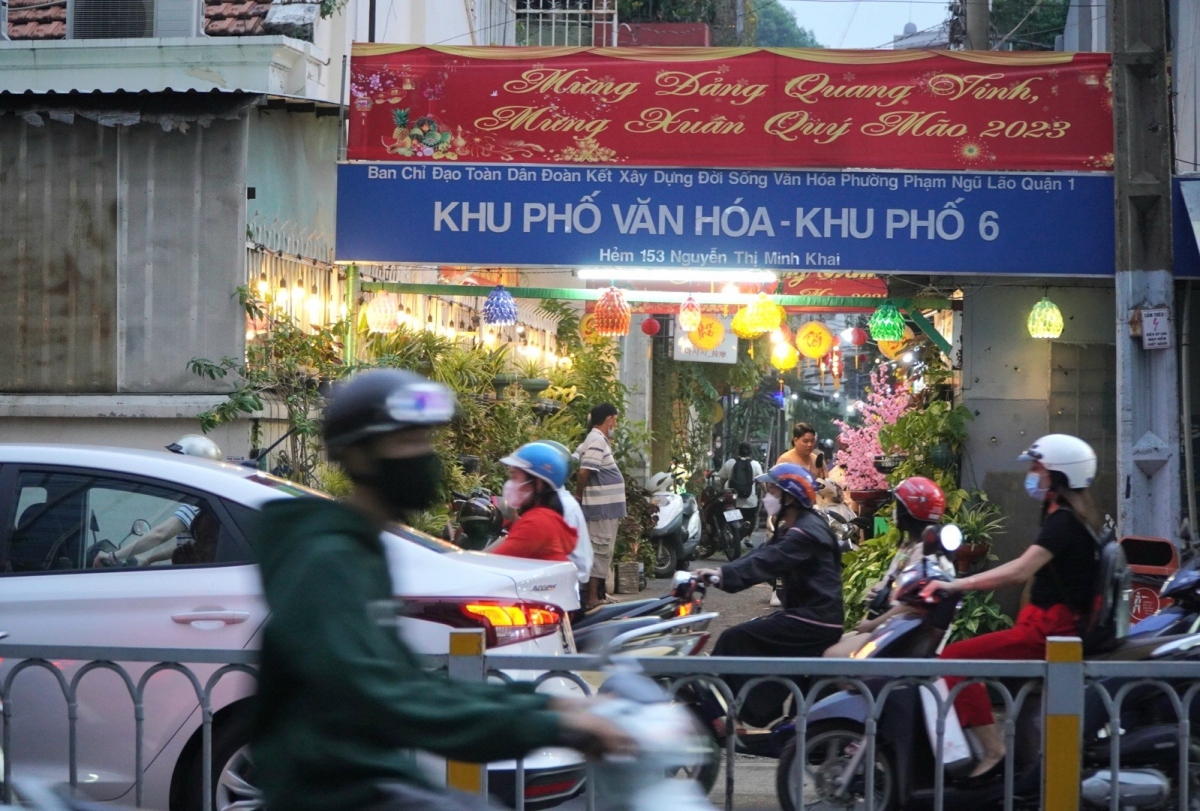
732,107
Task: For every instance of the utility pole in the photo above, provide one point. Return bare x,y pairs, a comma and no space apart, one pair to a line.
977,25
1147,384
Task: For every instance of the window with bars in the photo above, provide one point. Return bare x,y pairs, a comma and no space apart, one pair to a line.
586,23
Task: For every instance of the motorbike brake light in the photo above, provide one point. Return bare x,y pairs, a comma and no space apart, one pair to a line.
504,622
685,610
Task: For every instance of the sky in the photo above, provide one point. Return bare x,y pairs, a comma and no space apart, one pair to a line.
864,23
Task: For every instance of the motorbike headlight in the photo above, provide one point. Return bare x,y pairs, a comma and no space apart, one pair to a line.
661,501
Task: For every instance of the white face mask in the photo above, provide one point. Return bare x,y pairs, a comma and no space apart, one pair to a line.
772,504
514,495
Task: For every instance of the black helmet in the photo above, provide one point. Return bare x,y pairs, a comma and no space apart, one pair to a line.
480,520
381,402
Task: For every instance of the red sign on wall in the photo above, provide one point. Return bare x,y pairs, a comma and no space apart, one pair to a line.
732,108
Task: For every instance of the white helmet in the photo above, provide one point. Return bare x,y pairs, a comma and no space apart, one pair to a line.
1067,454
196,445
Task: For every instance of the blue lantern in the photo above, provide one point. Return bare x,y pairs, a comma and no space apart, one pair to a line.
499,309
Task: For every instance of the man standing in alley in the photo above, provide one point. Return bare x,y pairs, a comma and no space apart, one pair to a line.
601,491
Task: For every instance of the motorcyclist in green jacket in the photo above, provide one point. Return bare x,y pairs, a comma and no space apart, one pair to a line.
341,697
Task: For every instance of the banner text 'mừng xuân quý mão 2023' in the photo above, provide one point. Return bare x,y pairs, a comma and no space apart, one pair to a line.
901,222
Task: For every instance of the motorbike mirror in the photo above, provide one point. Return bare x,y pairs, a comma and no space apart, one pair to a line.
140,527
680,579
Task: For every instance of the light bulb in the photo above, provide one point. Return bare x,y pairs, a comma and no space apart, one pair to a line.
730,289
264,285
776,336
908,357
315,306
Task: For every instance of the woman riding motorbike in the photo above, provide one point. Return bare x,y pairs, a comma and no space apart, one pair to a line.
803,553
1062,563
535,473
920,503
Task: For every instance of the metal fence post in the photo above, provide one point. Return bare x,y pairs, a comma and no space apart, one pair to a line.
467,664
1064,721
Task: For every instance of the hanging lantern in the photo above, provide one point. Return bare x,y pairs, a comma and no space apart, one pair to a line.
835,367
761,316
855,336
886,323
739,325
709,334
381,313
784,356
892,349
1045,320
689,314
651,327
499,308
612,314
814,340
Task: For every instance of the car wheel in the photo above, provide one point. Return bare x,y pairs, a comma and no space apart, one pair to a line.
233,787
828,750
665,559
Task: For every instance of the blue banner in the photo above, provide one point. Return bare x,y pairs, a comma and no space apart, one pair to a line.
900,222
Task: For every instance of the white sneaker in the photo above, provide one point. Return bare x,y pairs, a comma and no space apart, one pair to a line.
774,602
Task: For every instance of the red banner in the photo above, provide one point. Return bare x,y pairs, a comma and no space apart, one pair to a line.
732,107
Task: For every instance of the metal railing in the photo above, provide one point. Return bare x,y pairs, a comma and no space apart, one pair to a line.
1058,685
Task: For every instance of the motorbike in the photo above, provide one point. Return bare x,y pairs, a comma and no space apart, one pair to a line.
676,536
723,525
686,598
478,520
905,765
831,505
1183,615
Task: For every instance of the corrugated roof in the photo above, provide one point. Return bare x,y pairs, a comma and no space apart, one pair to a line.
47,19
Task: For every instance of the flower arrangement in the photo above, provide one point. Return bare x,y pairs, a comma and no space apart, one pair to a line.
884,404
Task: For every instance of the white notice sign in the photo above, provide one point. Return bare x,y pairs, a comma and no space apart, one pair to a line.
1156,328
725,352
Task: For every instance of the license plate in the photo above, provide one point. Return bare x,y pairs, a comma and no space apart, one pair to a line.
733,515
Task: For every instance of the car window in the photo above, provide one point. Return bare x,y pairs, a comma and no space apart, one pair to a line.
79,521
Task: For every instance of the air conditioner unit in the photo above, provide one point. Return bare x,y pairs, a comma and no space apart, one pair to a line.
133,19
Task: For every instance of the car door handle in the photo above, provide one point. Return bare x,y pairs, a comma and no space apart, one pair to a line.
225,617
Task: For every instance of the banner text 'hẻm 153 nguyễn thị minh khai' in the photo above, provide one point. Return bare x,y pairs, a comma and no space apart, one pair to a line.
733,107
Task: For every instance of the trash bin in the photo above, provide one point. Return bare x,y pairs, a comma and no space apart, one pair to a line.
1151,562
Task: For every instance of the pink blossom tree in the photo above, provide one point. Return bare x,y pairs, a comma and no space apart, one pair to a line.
884,404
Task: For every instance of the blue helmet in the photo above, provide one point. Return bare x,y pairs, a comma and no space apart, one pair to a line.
541,460
796,481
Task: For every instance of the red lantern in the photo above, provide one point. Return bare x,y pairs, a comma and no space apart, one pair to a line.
651,327
612,314
856,336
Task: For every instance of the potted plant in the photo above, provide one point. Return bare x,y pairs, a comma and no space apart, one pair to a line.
979,520
502,381
531,371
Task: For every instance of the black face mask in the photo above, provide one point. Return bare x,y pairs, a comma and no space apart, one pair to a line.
407,484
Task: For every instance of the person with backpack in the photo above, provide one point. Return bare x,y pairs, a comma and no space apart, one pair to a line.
803,554
1063,564
740,475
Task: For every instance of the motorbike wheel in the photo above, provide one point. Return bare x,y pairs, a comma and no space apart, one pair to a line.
706,773
731,545
828,748
665,559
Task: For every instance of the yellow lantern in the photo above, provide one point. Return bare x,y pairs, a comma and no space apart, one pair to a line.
381,313
814,340
761,316
784,356
739,325
709,334
892,349
612,314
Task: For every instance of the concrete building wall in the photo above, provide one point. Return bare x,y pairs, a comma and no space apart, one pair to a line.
1009,383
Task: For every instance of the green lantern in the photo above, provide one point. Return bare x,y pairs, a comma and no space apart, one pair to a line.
1045,320
886,324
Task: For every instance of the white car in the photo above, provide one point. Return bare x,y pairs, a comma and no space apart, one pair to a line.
58,503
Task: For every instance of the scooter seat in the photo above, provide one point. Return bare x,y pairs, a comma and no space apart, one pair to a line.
593,638
605,613
1135,648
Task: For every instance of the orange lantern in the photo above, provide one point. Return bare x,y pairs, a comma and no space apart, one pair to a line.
612,314
689,315
709,334
892,349
814,340
784,357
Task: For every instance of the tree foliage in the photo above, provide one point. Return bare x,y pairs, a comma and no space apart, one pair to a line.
1046,20
778,28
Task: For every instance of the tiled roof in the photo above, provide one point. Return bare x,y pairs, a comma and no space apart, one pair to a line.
47,19
37,19
223,19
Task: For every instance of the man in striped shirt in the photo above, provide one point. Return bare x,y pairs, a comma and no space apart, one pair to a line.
601,490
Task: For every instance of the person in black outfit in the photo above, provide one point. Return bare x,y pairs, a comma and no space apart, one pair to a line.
803,554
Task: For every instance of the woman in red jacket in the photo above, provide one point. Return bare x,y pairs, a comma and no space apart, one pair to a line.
535,473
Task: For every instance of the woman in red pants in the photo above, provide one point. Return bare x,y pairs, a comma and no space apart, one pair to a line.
1062,562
